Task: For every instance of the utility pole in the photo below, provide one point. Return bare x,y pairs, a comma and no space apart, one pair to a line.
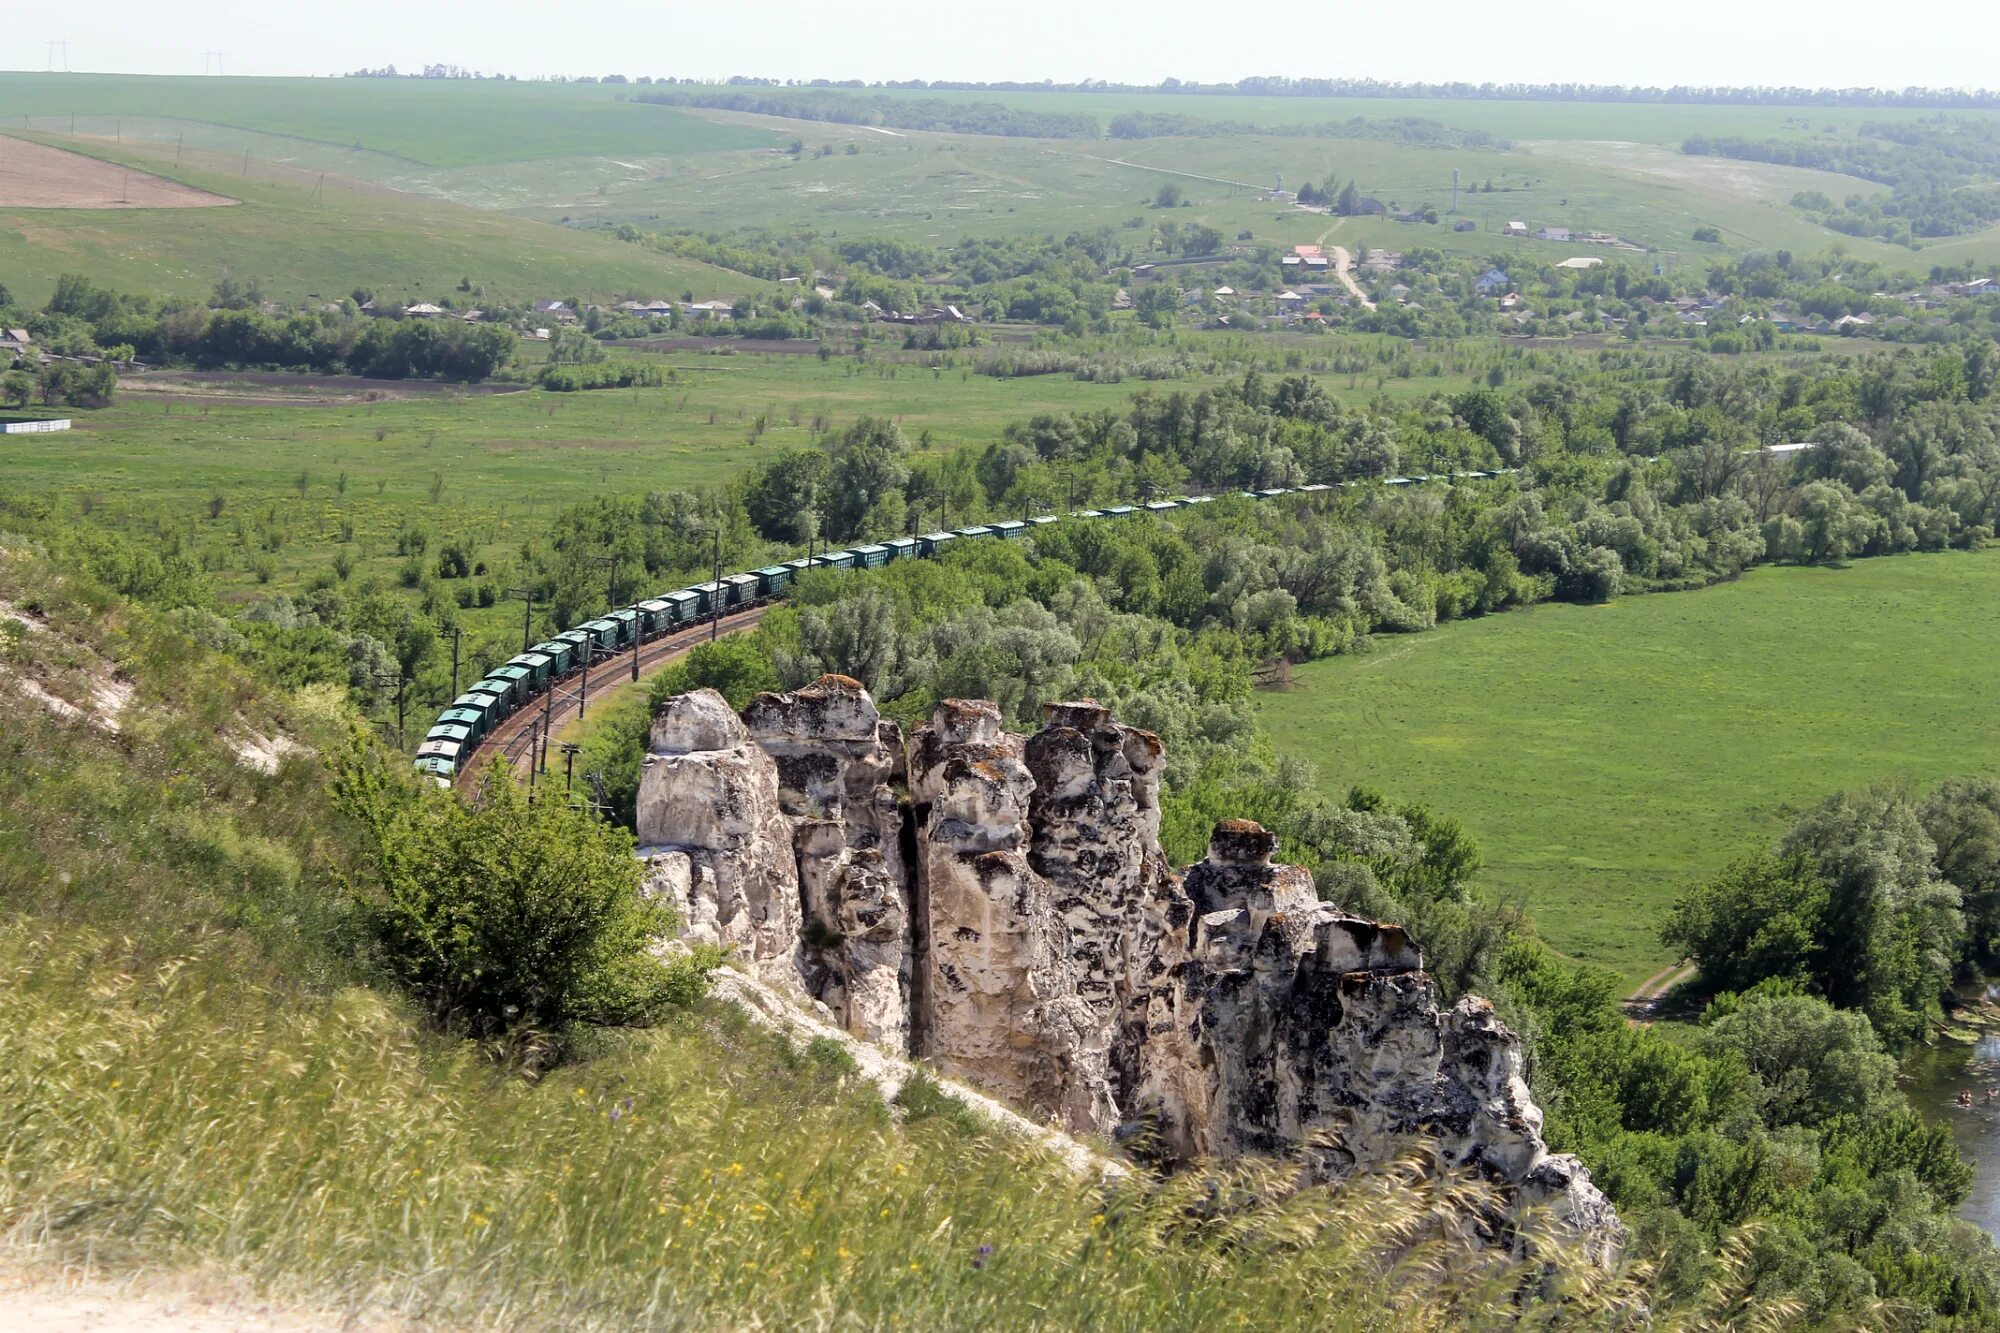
531,764
455,633
583,689
715,602
527,595
548,717
62,43
401,683
635,643
569,749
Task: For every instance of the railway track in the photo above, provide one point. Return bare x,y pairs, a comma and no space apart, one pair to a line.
520,735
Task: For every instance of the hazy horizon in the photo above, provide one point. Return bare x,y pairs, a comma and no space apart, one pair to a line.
1703,42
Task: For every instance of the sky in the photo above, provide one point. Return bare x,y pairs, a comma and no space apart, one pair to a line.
1832,43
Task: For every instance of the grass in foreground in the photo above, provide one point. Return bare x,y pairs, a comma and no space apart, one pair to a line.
1606,756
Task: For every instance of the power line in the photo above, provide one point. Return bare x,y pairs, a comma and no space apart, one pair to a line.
62,42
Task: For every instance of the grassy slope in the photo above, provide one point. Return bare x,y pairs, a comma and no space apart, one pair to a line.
1606,756
197,1070
429,122
303,241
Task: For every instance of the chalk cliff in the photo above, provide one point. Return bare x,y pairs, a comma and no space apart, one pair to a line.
1013,921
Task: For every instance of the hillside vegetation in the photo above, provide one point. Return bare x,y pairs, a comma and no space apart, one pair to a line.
201,1065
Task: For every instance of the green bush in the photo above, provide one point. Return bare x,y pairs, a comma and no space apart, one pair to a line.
512,916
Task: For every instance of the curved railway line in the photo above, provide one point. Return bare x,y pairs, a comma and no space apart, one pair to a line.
512,712
524,733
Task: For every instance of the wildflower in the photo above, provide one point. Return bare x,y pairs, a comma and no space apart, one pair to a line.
1096,1220
481,1220
581,1093
916,1268
899,1169
981,1255
844,1253
733,1169
617,1113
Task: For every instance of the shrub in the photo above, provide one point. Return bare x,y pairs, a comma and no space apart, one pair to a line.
511,916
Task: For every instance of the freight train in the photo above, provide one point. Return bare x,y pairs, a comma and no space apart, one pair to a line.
470,717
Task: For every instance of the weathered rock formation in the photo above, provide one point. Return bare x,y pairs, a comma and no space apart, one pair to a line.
1015,923
717,845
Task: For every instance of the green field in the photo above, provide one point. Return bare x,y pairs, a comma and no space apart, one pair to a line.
1605,756
304,240
590,156
437,123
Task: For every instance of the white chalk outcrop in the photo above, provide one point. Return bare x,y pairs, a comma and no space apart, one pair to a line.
1014,922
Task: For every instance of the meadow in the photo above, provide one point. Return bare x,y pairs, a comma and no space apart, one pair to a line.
1606,756
588,156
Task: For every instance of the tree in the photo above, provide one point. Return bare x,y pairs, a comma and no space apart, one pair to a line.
17,387
571,346
507,916
1169,196
1816,1063
1762,917
1349,201
1201,240
1962,816
868,461
1891,925
783,495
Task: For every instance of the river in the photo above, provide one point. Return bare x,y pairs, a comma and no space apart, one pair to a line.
1934,1077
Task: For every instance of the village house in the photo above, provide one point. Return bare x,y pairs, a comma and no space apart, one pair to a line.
1580,262
1490,282
558,311
1553,234
424,310
1515,229
711,309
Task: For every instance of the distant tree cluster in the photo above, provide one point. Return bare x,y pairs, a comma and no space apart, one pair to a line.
1412,130
1939,172
893,112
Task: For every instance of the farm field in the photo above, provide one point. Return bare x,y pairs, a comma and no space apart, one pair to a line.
1606,756
437,123
1637,122
589,156
304,239
34,175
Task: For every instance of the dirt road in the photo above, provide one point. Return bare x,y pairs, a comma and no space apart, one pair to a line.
1641,1002
1343,268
